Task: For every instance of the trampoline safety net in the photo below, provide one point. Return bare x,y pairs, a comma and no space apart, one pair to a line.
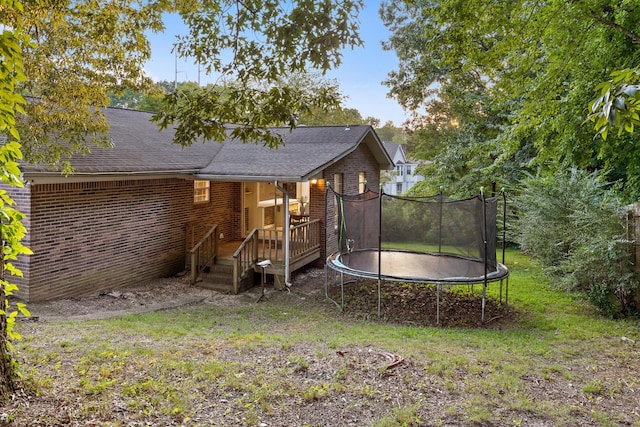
434,224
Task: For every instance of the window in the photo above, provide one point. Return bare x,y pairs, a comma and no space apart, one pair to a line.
400,170
201,191
338,188
408,170
398,188
362,182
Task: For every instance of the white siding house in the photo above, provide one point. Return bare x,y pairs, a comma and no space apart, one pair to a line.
404,176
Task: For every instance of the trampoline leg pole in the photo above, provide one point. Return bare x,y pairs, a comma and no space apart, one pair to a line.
437,304
378,298
326,282
341,292
484,295
506,295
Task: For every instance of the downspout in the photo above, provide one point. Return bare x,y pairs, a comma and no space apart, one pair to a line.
286,231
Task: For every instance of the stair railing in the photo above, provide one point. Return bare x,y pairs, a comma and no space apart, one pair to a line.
244,259
204,253
269,244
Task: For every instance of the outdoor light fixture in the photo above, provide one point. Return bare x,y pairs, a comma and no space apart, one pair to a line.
314,181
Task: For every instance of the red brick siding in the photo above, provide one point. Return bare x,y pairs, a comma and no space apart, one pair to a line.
361,160
102,235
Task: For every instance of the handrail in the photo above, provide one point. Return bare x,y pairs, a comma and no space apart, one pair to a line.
304,238
267,243
203,253
244,259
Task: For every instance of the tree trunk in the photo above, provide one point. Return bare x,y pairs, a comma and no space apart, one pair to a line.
6,371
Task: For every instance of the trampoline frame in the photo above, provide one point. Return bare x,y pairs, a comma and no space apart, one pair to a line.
501,273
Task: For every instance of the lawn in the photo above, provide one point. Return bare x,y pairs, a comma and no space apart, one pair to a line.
295,360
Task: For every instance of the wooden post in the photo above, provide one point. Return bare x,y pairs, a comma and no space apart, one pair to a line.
633,217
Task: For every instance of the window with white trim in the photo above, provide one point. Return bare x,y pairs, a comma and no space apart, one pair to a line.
362,182
201,191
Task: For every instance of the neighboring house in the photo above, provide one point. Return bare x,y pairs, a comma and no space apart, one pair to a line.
405,175
149,208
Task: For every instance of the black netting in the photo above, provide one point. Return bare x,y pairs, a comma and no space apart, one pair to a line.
358,220
436,224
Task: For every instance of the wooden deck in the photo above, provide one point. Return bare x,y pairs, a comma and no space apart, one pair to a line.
226,250
241,257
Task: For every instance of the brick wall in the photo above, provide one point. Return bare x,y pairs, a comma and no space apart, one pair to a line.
361,160
88,237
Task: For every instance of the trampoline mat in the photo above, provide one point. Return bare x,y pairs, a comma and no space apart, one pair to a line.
415,266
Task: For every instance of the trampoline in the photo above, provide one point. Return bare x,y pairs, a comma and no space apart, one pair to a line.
453,242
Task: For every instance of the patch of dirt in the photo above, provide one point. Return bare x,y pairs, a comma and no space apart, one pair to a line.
160,294
414,304
306,383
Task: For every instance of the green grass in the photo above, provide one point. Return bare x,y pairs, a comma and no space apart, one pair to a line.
250,364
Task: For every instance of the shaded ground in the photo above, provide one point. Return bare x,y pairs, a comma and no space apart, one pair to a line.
418,305
414,304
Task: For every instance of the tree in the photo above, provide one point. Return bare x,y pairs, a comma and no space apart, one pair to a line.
618,105
309,113
537,62
264,40
388,132
83,50
11,228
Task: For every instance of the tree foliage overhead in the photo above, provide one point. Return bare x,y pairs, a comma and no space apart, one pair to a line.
81,50
251,45
618,103
87,49
527,68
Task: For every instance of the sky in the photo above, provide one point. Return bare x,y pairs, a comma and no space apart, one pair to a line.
360,76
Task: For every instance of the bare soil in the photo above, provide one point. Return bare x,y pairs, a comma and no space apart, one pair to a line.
374,383
404,304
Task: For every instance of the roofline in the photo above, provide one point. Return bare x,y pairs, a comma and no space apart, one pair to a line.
344,154
250,178
59,178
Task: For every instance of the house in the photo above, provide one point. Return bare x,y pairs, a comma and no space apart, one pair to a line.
405,175
148,208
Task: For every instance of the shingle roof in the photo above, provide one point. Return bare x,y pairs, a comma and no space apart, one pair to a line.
305,151
391,148
139,147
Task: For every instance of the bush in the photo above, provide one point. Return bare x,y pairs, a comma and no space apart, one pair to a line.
578,229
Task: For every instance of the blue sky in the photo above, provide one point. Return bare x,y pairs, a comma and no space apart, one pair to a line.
360,76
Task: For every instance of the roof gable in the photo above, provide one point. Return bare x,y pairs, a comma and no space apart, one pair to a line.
305,151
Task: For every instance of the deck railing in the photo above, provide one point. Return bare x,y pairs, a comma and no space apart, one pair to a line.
268,243
244,259
304,238
204,252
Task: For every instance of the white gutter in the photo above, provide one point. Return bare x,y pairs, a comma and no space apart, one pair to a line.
287,234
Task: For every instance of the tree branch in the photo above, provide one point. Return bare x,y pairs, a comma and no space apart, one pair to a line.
635,37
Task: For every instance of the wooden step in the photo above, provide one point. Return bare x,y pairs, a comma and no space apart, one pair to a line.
225,288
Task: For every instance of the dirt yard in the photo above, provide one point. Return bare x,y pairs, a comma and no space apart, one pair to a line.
408,304
317,385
